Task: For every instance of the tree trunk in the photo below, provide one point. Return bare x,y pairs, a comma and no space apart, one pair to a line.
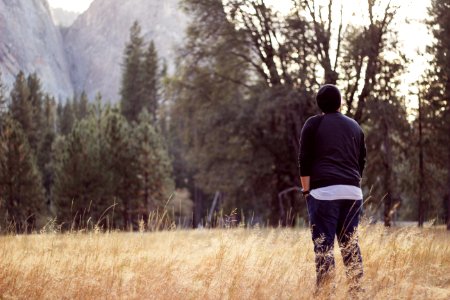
146,192
277,217
421,208
447,116
282,209
387,210
275,211
198,208
448,180
125,215
388,200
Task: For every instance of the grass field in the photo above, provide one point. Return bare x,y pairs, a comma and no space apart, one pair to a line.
405,263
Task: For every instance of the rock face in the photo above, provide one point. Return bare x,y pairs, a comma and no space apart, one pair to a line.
87,56
95,42
29,41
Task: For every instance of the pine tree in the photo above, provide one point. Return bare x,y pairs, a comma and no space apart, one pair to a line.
36,100
49,113
21,108
21,195
153,166
131,91
83,106
75,106
59,112
27,107
80,189
150,81
387,129
120,166
44,153
436,104
66,118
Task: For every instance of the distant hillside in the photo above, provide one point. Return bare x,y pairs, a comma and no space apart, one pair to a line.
95,42
31,42
87,55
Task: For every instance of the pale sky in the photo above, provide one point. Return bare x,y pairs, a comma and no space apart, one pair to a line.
71,5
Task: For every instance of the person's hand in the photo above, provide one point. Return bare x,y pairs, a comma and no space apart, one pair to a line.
305,193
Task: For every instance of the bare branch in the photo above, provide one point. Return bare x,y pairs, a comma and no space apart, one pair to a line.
258,68
338,49
330,19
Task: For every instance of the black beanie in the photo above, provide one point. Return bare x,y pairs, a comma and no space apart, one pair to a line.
329,98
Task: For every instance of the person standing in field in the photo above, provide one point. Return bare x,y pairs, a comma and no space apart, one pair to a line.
331,160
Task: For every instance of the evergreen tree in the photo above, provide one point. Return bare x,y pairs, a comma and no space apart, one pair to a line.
80,189
44,153
21,195
435,109
27,107
153,166
131,91
66,118
34,112
36,99
75,106
49,113
102,161
120,166
83,106
150,81
21,108
387,131
59,112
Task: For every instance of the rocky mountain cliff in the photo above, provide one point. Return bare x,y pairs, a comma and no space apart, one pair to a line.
88,54
29,41
95,42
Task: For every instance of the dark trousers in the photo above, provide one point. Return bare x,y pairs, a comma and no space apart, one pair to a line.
340,218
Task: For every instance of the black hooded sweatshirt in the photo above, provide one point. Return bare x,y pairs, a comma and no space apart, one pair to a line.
332,150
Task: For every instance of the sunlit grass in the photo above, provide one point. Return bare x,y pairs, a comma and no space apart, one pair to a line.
405,263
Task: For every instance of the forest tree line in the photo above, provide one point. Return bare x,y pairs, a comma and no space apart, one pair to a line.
85,163
225,126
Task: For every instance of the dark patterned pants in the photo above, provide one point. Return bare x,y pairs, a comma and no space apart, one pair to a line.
340,218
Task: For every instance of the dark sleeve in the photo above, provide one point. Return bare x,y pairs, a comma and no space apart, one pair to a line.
362,155
306,149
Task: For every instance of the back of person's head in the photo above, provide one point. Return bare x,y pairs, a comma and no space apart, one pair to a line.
328,98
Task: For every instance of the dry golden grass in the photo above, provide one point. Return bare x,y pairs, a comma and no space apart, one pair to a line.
403,263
